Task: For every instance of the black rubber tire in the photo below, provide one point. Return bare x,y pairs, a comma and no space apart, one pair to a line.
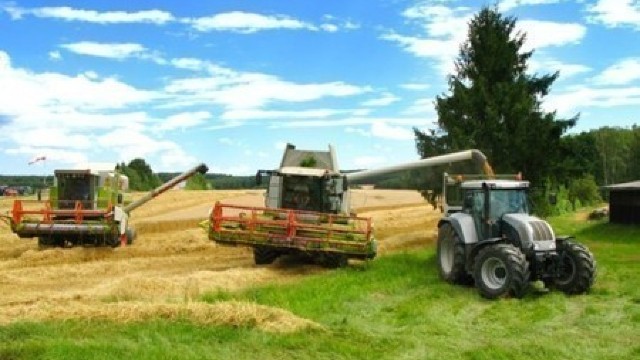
501,270
334,260
264,255
451,257
131,236
577,268
45,242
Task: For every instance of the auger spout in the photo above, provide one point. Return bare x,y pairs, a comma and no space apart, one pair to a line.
473,154
202,169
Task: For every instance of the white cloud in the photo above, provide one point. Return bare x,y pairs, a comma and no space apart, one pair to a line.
130,144
384,100
506,5
49,137
329,27
24,92
541,34
244,114
614,13
346,122
423,107
367,161
66,13
383,130
237,90
280,145
72,118
446,29
548,66
415,86
55,55
243,22
359,131
58,155
577,98
621,73
184,120
107,50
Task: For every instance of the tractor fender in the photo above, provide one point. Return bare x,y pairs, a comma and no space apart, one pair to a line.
463,225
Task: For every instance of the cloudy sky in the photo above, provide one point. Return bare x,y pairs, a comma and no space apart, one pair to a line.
230,82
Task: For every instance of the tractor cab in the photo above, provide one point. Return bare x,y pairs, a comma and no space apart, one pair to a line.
92,190
487,201
305,189
71,186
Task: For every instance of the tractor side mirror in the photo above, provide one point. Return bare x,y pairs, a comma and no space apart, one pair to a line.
553,198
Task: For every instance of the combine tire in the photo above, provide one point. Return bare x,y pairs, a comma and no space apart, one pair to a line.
334,260
577,268
501,270
264,255
451,258
131,235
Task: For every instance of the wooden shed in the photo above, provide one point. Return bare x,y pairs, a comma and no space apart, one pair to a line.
624,202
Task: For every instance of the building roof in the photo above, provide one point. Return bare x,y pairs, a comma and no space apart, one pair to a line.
632,185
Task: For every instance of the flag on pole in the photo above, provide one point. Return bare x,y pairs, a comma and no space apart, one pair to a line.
39,158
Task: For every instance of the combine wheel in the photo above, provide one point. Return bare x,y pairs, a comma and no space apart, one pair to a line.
264,255
131,235
451,258
501,270
334,260
45,242
577,268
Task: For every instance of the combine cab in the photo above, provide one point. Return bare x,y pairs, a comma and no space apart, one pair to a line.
308,210
84,208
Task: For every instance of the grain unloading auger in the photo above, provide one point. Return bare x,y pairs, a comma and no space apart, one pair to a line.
308,209
83,209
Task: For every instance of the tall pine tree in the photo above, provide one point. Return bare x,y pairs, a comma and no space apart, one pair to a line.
495,106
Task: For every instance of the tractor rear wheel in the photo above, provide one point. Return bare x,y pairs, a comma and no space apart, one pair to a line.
263,255
577,268
451,257
501,270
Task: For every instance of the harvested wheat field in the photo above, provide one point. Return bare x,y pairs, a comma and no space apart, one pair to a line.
172,263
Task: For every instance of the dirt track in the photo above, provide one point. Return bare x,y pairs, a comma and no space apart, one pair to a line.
172,261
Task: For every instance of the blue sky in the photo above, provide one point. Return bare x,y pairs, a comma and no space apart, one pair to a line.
89,83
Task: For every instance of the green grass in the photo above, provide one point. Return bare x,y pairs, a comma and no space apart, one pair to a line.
395,307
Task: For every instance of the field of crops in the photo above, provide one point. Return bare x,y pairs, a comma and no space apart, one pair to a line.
172,263
176,295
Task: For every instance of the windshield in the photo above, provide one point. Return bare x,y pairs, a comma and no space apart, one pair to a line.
508,202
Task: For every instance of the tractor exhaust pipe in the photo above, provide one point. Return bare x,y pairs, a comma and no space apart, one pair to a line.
202,169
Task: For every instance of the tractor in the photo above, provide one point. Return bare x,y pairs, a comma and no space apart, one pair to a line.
489,238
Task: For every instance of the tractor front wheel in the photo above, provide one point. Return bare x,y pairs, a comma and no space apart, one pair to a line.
501,270
577,270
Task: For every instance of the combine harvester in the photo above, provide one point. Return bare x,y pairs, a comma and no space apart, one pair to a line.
308,209
83,208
